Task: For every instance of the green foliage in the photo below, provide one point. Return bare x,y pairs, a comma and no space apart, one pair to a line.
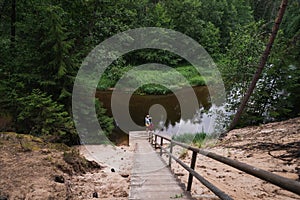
112,75
192,75
197,80
106,122
239,63
291,21
44,57
88,124
265,10
53,37
153,56
56,64
186,17
279,92
11,86
105,83
276,92
39,115
153,89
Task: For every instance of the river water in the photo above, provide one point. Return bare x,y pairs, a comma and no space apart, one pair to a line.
169,121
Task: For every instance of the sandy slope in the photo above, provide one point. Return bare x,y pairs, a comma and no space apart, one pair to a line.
274,147
113,181
31,169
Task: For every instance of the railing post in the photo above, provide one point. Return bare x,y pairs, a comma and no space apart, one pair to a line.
193,162
161,145
171,150
155,141
151,138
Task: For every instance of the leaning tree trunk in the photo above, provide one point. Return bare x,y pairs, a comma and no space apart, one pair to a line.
261,66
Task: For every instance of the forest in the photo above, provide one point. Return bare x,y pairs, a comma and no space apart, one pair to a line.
43,43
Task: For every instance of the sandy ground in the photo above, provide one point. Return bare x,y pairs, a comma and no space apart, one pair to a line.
33,170
116,158
274,147
113,181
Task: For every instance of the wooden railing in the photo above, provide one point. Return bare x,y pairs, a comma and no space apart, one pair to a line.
285,183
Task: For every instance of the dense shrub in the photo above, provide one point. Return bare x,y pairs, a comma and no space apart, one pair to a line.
39,115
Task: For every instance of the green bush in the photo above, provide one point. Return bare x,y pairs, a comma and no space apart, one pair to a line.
39,115
197,80
199,139
105,83
153,89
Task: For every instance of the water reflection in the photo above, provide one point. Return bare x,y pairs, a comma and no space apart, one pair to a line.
165,110
208,121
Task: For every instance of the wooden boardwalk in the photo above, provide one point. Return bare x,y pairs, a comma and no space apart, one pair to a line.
151,178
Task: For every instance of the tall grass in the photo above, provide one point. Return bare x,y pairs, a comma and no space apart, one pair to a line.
197,139
164,81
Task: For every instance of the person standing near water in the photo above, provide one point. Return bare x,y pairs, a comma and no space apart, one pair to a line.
148,123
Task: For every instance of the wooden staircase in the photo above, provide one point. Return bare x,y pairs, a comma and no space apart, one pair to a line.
151,178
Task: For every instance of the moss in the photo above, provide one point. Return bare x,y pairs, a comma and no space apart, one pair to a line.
58,146
27,145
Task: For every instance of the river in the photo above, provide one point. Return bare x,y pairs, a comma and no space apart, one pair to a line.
167,122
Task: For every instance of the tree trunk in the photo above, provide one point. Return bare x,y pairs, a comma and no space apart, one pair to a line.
262,64
13,23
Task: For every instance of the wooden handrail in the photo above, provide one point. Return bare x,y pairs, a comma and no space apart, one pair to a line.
205,182
285,183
